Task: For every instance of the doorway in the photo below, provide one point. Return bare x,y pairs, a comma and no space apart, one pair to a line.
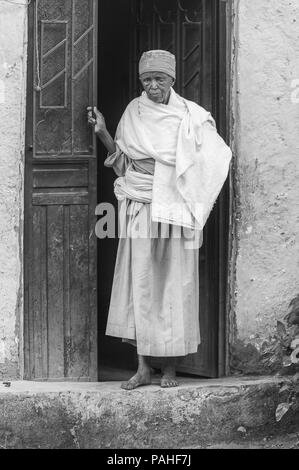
194,30
79,49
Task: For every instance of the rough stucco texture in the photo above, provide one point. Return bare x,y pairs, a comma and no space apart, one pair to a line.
267,165
12,84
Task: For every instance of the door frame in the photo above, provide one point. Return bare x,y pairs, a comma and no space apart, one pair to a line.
223,208
225,218
225,229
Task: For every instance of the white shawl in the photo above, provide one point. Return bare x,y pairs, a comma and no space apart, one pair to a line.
192,160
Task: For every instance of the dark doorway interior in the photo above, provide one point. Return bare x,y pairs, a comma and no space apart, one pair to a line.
195,31
113,96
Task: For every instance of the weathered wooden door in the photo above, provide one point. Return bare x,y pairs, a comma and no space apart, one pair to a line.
60,327
195,31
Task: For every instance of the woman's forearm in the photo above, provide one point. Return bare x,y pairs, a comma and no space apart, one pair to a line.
107,140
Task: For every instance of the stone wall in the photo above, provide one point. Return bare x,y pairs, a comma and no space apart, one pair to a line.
13,30
266,173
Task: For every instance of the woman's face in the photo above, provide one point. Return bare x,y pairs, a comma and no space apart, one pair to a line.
157,85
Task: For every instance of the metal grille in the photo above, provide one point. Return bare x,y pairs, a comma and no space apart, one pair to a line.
183,27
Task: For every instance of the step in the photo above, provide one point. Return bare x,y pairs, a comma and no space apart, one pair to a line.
198,413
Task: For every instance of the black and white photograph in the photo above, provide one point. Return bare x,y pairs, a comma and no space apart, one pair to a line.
149,238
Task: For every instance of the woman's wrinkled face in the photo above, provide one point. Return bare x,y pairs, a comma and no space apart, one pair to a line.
157,85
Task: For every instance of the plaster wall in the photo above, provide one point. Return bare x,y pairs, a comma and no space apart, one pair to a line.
266,145
13,41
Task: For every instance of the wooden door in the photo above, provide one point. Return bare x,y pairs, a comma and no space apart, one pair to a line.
60,327
195,31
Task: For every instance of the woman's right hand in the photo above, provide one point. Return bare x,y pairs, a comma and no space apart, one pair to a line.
98,121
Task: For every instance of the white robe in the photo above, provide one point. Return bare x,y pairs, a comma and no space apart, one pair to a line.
155,293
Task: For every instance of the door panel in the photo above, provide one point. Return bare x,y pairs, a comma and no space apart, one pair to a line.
60,193
194,30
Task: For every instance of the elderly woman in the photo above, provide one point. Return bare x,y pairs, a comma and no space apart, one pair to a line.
171,165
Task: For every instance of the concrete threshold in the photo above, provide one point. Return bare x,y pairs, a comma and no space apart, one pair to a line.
199,412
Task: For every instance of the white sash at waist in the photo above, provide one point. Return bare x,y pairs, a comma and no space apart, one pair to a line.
135,186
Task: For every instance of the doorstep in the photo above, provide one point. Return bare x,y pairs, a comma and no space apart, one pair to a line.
199,412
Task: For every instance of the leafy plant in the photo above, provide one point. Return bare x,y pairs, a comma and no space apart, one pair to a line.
291,390
288,336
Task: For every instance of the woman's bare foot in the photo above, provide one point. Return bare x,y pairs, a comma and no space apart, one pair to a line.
169,375
142,376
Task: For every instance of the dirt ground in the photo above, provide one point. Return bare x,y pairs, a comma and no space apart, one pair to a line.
288,441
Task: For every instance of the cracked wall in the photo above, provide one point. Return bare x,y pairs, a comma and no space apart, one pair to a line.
13,58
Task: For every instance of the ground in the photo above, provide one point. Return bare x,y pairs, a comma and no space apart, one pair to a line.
288,441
